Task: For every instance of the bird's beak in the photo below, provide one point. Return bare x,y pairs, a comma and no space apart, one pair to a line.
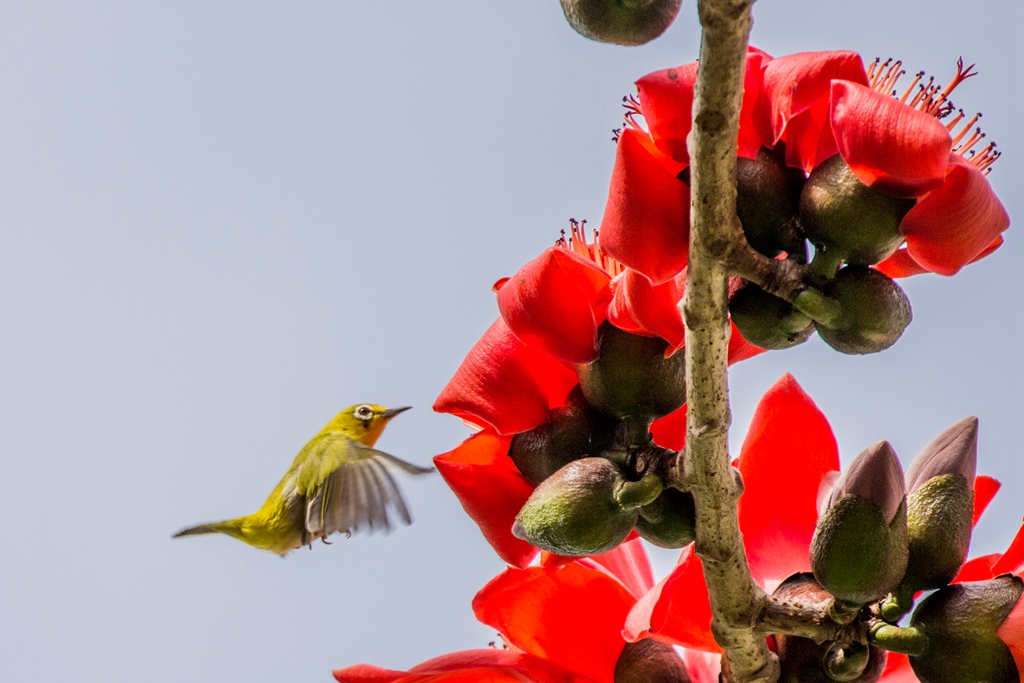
391,412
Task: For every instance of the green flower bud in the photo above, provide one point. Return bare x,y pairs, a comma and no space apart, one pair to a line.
575,431
668,522
940,513
859,548
875,311
767,201
585,508
624,22
847,219
960,623
632,378
768,321
648,661
804,661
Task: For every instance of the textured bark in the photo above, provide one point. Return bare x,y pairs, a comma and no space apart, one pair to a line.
737,601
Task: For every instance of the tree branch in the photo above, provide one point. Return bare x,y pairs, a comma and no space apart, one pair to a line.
736,599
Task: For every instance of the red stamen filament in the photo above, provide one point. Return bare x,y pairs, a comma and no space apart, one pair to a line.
934,100
577,243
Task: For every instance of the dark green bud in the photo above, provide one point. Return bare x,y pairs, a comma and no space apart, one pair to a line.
859,548
585,508
668,522
632,378
648,661
624,22
940,513
804,661
768,321
960,623
575,431
767,201
874,311
846,218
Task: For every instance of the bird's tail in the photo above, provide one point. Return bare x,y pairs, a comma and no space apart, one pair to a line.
224,527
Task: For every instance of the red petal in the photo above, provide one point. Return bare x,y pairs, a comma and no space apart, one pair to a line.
897,670
985,489
901,264
628,563
505,384
666,98
555,303
740,348
888,145
670,431
677,610
571,616
646,222
789,448
978,569
702,666
1013,559
755,128
796,96
468,665
641,307
491,490
956,222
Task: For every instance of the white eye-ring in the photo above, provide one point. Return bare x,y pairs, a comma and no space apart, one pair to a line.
364,412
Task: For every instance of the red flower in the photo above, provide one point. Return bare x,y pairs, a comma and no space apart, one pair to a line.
520,371
562,624
646,223
789,447
824,103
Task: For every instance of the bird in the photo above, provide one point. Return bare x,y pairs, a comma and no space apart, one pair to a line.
338,483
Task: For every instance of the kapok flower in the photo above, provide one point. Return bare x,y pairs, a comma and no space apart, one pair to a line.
789,446
825,103
646,223
558,625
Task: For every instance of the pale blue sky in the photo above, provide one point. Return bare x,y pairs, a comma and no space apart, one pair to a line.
222,222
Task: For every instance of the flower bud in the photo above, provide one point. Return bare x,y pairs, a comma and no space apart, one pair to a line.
585,508
668,522
875,311
768,321
632,378
847,219
804,661
859,549
648,661
940,513
962,624
624,22
767,200
575,431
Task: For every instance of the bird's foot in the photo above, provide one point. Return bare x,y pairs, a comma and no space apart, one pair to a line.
325,541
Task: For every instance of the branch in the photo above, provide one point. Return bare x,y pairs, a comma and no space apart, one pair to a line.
736,599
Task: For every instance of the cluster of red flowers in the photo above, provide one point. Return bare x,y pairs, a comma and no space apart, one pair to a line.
571,623
817,105
570,619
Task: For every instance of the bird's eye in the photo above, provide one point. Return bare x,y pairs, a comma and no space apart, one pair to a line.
364,412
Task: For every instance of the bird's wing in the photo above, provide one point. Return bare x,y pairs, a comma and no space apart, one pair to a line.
348,487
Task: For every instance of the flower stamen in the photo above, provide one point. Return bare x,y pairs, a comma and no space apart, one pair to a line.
577,243
933,99
633,110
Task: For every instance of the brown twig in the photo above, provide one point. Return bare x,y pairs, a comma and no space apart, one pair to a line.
736,599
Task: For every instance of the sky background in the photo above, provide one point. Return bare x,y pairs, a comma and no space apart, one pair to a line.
223,222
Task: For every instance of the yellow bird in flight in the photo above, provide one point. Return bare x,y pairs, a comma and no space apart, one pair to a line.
338,483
